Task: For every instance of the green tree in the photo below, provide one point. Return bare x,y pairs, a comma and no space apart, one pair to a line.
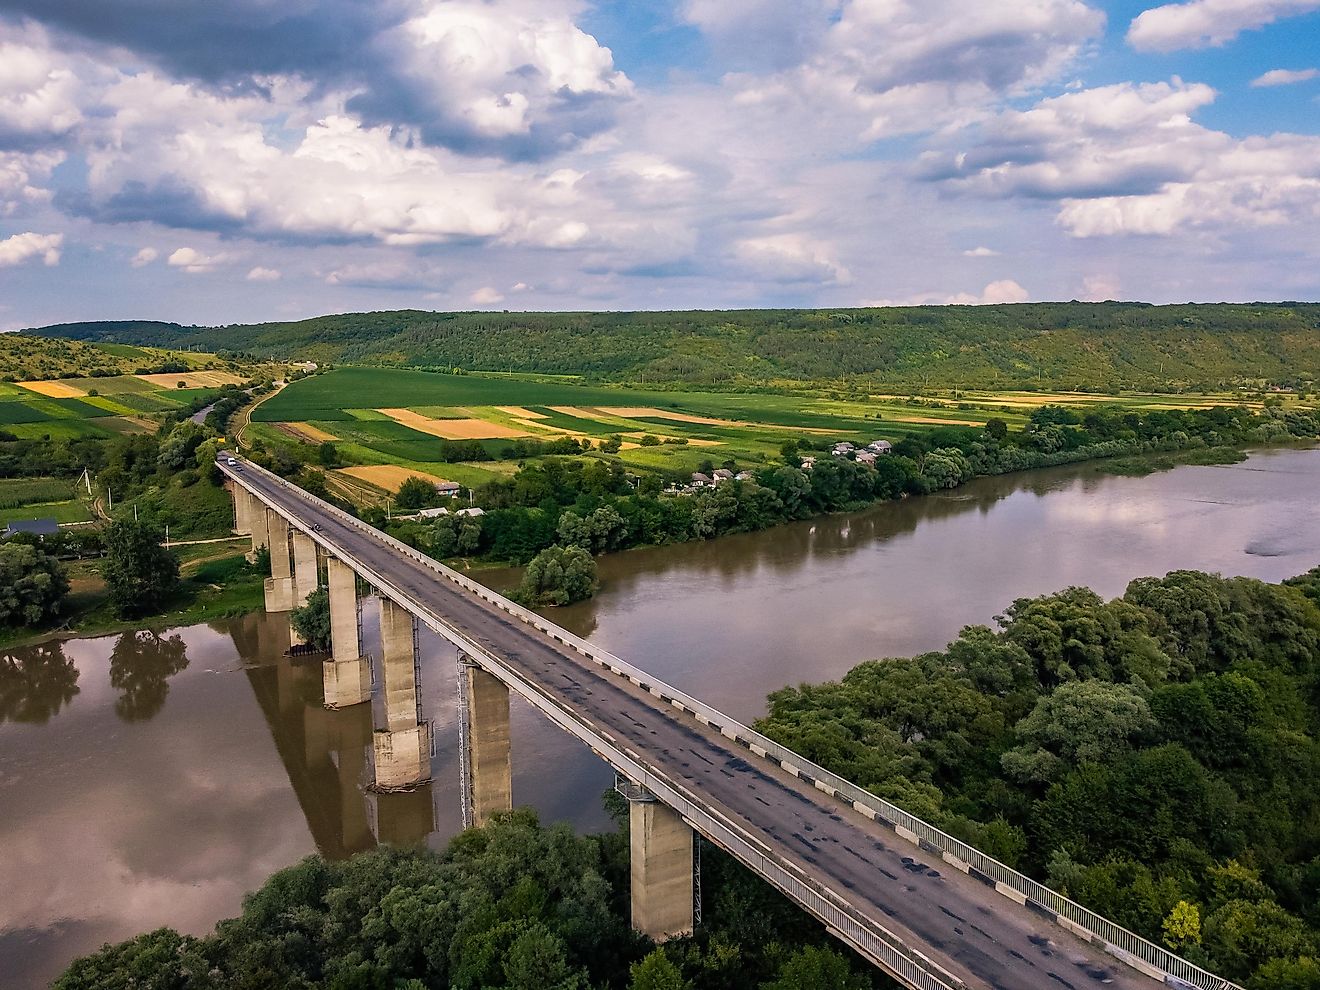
558,576
33,584
1082,721
611,444
327,455
656,972
812,968
416,493
180,445
312,620
139,572
1182,927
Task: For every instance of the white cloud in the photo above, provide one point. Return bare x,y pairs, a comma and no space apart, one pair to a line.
260,274
194,262
996,293
487,296
1284,77
1206,23
1098,288
25,247
791,258
1129,159
981,252
20,175
890,67
38,90
145,257
517,74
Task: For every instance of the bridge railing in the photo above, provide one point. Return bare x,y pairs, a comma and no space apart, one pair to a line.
1126,946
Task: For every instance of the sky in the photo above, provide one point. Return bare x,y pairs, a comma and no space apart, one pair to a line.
222,162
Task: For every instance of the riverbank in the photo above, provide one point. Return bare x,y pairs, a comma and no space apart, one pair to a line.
215,583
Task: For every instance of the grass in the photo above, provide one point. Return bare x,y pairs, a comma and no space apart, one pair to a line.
68,511
27,491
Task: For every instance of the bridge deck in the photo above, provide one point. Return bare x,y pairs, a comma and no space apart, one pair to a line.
973,933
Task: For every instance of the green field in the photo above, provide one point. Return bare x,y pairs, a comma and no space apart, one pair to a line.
749,428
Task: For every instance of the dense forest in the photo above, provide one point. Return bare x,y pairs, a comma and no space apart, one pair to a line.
1154,757
512,906
1091,346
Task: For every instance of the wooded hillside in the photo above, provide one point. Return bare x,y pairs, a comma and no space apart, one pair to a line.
1094,346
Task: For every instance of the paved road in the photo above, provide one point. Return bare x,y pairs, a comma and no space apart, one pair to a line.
974,933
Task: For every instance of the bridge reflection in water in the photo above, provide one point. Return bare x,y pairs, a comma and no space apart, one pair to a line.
326,752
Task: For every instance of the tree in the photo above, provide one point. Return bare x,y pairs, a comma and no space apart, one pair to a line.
558,576
996,428
328,454
416,493
33,584
656,972
140,572
611,444
812,967
312,620
1082,721
180,445
1182,927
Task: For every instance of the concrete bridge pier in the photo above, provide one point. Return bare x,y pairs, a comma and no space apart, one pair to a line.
306,574
279,586
488,755
242,508
346,676
661,861
403,747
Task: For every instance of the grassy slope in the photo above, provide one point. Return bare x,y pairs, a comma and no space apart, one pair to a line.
1096,345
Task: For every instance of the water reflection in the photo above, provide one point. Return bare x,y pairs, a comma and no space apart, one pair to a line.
141,665
35,683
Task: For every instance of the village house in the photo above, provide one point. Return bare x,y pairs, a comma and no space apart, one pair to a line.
743,476
40,528
865,457
880,447
723,474
808,463
700,480
842,449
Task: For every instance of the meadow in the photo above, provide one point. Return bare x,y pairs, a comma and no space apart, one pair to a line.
41,498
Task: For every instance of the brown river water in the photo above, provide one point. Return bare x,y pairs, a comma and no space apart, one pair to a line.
152,780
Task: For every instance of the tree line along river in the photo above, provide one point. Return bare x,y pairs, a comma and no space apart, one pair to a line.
149,780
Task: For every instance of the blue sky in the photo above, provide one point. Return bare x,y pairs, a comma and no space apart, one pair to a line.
275,159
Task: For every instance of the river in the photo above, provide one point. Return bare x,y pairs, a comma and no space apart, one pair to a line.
151,780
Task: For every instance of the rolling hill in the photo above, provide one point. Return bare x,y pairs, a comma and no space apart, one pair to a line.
1095,346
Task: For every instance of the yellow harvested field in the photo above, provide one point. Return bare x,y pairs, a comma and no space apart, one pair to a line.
53,389
194,379
387,476
647,412
452,429
518,412
928,421
307,431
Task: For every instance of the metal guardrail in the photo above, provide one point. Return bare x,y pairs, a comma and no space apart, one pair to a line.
1125,946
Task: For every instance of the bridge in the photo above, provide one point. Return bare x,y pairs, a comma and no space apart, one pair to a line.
929,910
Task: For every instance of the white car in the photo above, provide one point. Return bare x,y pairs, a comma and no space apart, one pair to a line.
231,462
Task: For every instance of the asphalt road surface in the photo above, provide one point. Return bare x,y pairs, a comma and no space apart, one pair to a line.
974,933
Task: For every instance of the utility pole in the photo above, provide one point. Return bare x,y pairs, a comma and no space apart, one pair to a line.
87,480
110,499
